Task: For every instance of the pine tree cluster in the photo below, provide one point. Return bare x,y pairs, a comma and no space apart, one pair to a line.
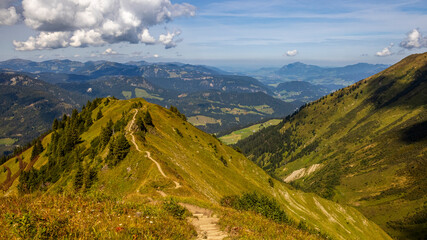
176,111
63,152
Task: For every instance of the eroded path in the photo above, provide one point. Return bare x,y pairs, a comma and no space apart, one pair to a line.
205,222
177,185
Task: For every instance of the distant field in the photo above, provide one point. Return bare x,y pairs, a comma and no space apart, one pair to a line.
127,94
7,141
201,120
235,136
141,93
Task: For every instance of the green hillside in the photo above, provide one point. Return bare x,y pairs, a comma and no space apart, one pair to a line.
364,145
134,152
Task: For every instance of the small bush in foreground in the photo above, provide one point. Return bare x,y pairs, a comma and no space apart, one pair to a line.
176,210
263,205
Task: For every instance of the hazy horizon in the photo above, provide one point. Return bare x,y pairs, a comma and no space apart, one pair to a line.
236,34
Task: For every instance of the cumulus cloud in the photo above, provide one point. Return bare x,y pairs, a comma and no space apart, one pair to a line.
414,39
385,52
146,38
109,51
291,53
45,40
8,16
85,23
168,39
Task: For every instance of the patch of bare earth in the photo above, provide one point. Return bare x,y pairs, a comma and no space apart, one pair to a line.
205,222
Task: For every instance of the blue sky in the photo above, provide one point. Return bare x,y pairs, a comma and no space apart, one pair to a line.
237,33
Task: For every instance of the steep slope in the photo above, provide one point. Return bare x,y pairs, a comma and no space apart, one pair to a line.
28,107
163,156
364,145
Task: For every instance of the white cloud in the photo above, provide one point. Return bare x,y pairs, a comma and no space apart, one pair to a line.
168,39
414,39
98,22
156,55
109,51
8,16
385,52
291,53
146,38
45,40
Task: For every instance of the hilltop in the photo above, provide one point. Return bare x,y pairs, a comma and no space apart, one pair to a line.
141,153
363,145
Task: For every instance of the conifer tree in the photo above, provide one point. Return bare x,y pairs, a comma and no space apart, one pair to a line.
175,110
37,149
88,121
119,148
147,119
99,114
122,147
78,179
88,105
55,124
106,133
90,178
140,124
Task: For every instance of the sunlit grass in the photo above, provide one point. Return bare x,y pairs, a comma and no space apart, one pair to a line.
65,217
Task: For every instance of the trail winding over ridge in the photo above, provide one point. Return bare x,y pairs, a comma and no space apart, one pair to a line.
203,219
177,185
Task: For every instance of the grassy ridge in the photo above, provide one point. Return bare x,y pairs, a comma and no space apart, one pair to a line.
370,140
205,169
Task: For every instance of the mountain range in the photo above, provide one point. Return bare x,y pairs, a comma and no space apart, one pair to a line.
363,145
28,107
193,89
328,76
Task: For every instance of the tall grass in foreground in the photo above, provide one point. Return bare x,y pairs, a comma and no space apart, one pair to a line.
62,217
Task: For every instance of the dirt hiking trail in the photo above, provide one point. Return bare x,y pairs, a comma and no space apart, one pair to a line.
205,222
203,219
